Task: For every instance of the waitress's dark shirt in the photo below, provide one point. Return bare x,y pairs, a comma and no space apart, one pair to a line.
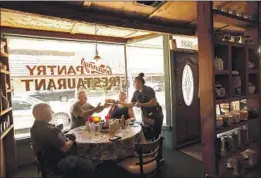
118,112
145,96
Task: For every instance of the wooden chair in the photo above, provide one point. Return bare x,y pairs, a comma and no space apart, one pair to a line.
147,159
43,166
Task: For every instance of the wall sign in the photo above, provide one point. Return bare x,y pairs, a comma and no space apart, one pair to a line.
187,85
186,42
86,69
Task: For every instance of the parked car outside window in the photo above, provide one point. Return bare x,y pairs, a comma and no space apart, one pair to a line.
23,118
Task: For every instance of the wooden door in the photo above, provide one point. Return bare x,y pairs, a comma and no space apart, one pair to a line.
187,109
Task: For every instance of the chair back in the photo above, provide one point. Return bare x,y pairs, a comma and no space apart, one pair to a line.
41,162
149,152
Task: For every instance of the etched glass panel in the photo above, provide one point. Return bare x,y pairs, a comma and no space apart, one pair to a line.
187,85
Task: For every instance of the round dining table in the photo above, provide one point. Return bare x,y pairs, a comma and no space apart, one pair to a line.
97,146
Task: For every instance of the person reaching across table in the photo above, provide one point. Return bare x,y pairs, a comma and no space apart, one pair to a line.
56,148
144,97
118,110
81,110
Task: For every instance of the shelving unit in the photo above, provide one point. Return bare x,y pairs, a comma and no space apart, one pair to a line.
239,59
236,57
7,142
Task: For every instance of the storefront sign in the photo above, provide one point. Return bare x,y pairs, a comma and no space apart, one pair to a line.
86,68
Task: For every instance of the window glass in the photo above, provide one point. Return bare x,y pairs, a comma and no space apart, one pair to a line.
147,57
52,71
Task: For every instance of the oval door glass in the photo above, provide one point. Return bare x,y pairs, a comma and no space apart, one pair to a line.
187,85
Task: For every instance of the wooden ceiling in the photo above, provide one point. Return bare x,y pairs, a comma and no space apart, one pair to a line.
79,17
18,19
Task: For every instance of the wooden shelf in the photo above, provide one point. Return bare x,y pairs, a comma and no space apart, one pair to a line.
232,19
223,100
4,54
4,71
253,96
234,126
5,111
222,72
9,90
253,71
7,131
237,98
240,45
228,100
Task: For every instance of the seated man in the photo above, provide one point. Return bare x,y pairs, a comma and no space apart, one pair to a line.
81,110
53,144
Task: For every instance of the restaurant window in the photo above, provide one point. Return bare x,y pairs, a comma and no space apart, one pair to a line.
147,57
52,71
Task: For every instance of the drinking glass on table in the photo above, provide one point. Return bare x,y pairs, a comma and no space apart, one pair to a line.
91,125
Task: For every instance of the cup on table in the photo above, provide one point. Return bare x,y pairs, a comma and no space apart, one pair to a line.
87,126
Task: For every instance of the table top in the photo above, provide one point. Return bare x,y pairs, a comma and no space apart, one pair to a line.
86,137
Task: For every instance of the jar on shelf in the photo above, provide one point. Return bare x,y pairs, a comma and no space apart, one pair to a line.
219,64
235,136
251,88
244,135
4,101
236,79
231,141
220,90
227,120
3,46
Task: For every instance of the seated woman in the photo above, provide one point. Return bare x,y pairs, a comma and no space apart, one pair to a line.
117,110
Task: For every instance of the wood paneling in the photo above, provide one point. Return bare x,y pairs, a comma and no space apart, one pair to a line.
18,19
48,34
181,12
206,85
171,17
78,14
130,9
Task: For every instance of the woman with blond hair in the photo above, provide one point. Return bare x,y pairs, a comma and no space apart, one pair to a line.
118,110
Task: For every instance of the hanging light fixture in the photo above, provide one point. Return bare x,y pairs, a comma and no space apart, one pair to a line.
96,57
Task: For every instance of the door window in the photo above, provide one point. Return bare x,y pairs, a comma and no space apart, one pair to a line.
187,85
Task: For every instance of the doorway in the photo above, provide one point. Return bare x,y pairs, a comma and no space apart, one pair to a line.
187,112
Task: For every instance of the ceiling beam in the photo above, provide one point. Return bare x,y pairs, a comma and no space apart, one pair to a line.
61,35
142,38
156,10
62,10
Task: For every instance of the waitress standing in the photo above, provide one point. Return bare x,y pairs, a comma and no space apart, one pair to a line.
144,97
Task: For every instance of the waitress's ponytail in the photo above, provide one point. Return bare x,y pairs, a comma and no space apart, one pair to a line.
140,78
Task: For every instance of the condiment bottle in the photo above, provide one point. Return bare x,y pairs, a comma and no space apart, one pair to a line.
122,122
